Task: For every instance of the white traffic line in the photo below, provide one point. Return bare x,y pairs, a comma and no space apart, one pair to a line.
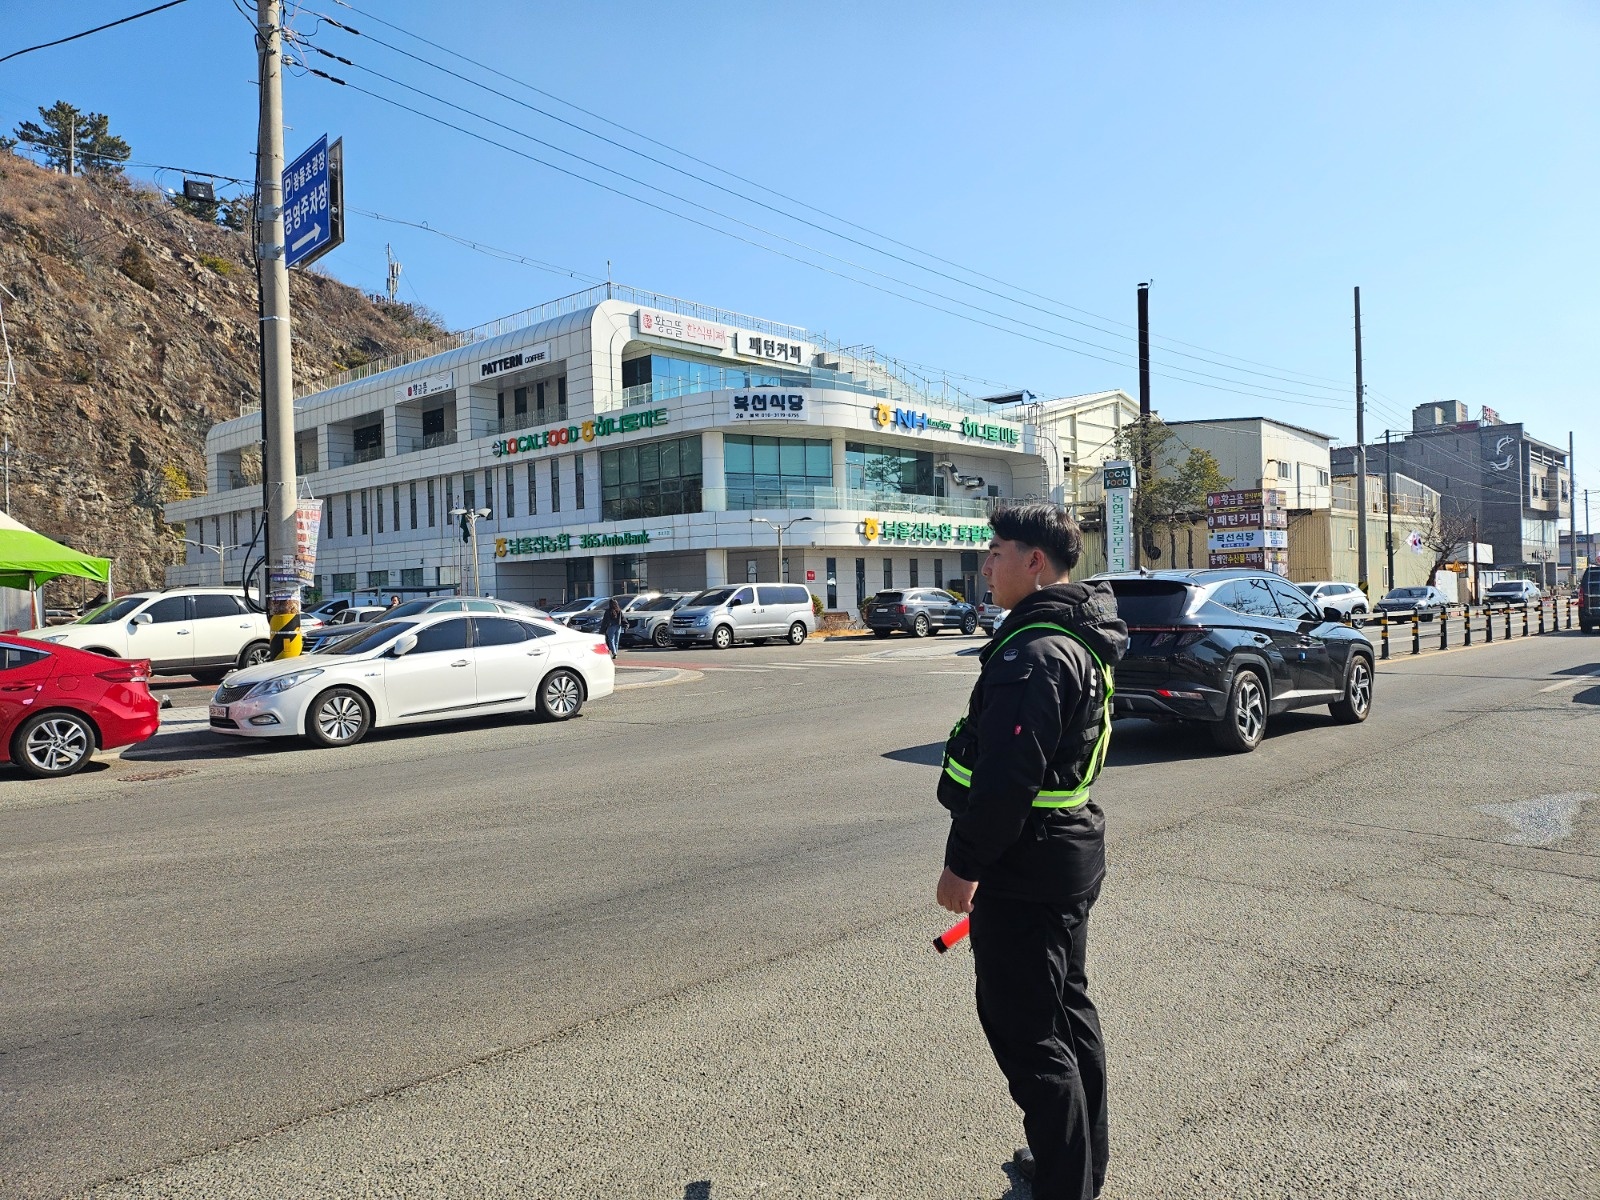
1565,683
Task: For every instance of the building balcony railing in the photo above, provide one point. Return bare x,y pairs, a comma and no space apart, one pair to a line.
306,464
365,455
432,441
739,499
529,420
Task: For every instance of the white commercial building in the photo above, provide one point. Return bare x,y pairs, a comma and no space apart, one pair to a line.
625,440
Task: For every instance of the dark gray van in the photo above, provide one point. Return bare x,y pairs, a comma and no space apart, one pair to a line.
745,612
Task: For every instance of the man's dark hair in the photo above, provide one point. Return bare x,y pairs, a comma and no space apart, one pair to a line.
1042,526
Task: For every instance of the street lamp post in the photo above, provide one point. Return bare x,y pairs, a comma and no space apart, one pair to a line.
221,548
781,530
472,515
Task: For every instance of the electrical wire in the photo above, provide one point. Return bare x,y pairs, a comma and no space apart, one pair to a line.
96,29
1285,374
1278,395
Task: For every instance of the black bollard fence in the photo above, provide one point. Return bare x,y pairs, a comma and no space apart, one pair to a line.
1383,636
1508,622
1444,631
1416,632
1466,625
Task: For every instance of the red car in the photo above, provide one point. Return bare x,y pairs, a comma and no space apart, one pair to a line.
57,705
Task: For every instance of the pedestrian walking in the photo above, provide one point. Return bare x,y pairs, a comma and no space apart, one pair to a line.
1026,851
394,602
611,625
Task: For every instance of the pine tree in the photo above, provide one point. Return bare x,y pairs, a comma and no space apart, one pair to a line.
70,140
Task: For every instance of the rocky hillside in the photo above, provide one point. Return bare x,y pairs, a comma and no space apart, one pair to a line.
133,330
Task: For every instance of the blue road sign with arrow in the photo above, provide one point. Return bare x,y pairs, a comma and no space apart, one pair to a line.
313,202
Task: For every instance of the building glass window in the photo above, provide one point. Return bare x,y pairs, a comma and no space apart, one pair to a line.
861,581
912,578
430,504
577,482
432,422
449,493
555,485
561,398
667,377
377,579
397,508
469,491
538,392
327,519
368,442
938,572
833,583
411,577
888,571
380,510
363,512
511,492
533,490
870,468
771,472
349,516
344,581
519,402
488,492
233,528
656,479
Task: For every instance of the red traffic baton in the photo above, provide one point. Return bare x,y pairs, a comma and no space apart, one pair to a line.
952,935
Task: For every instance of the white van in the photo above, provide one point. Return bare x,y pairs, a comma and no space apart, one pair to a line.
748,612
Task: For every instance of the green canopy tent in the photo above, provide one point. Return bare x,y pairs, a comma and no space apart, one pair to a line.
30,560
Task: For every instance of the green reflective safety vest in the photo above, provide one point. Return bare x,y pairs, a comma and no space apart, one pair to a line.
1060,798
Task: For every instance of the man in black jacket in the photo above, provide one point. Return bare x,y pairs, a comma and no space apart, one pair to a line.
1026,850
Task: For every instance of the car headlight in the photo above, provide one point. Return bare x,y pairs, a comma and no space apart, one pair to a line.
271,687
55,637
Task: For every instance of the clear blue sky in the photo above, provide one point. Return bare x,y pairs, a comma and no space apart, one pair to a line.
1254,159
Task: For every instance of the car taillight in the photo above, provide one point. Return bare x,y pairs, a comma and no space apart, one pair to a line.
898,608
600,647
1176,637
128,672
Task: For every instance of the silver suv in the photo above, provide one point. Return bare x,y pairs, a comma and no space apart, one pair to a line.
750,612
650,621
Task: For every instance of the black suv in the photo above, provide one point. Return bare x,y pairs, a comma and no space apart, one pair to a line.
1589,598
1230,649
920,611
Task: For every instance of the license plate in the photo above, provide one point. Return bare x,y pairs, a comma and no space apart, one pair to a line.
219,712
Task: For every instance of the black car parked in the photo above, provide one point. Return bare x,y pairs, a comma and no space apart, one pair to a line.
920,611
1589,599
1233,648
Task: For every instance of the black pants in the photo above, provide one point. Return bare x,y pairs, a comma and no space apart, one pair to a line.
1033,1002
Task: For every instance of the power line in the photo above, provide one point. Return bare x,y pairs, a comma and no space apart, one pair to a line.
1262,392
1304,380
96,29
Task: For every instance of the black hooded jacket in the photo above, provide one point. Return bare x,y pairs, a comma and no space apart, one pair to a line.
1031,724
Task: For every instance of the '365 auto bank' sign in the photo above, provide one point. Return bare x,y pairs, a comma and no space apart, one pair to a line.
583,431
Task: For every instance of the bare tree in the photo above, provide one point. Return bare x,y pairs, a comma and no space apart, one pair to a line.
1449,534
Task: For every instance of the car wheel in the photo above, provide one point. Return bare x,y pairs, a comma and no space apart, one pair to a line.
881,633
969,624
254,655
1244,721
662,637
53,744
920,626
1352,708
797,633
101,650
722,638
340,716
560,695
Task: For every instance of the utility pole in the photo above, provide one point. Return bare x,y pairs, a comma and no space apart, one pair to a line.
1144,404
1361,464
394,273
1388,502
1474,552
1572,514
277,409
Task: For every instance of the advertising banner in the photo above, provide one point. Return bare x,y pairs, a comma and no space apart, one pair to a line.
1259,518
1250,539
1257,560
1118,478
1246,501
307,525
683,329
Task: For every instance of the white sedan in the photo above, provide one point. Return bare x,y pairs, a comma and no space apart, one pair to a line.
434,667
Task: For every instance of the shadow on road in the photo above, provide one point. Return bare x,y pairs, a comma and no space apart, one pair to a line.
931,755
1588,696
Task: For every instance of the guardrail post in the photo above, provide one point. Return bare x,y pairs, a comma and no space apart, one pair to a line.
1541,616
1383,633
1508,622
1416,632
1444,631
1466,625
1488,623
1524,618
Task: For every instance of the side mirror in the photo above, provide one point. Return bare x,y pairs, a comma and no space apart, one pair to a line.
403,645
144,618
735,602
1332,614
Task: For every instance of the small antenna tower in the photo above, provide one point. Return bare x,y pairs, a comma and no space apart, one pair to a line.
394,273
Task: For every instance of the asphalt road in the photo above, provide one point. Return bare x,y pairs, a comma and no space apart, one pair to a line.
679,948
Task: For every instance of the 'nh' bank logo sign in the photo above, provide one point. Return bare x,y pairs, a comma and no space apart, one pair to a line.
905,418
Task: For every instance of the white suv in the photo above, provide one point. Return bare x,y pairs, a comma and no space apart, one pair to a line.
203,632
1346,598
